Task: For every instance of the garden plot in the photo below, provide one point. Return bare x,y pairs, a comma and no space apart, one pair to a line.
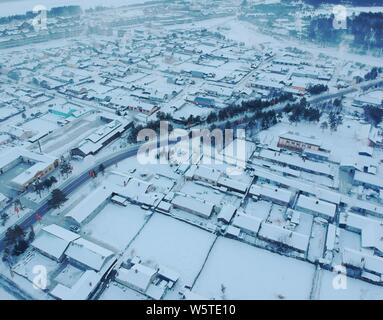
173,243
235,270
116,225
355,289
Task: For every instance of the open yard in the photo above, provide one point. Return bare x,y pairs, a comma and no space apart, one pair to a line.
235,270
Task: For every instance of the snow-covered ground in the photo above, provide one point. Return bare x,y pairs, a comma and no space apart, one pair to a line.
116,225
173,243
5,295
354,289
247,272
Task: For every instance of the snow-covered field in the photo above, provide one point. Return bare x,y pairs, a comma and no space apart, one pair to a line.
173,243
250,273
355,289
116,225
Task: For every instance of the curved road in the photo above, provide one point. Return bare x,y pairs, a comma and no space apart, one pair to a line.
72,184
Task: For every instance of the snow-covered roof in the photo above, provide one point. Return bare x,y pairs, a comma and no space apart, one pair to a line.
88,253
271,192
139,276
370,229
88,205
363,260
53,240
233,184
206,173
315,205
247,222
293,160
227,212
204,209
368,179
287,237
81,290
296,137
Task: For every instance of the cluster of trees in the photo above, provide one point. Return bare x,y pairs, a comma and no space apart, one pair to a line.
252,106
57,199
373,114
45,184
16,242
65,167
4,217
154,125
302,111
251,111
365,28
317,88
335,119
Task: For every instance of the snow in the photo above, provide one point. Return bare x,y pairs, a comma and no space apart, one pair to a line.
116,291
5,295
116,225
355,289
175,244
263,275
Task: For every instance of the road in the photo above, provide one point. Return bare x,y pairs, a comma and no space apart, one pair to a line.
72,184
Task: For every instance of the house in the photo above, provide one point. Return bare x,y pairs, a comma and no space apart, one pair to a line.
101,137
88,207
267,85
204,101
368,180
247,223
206,174
88,255
138,277
41,166
53,241
297,142
226,214
371,230
233,185
81,290
316,207
364,261
284,237
195,206
272,193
